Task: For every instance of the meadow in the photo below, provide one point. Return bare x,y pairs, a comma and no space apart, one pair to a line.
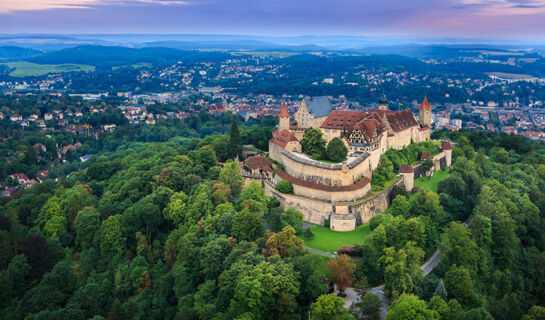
25,69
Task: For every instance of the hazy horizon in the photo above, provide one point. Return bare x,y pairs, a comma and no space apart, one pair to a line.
493,19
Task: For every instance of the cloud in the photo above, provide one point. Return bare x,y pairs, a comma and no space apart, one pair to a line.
501,7
9,6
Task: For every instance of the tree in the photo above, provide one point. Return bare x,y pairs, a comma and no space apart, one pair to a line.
426,167
535,313
409,307
342,271
284,187
292,218
426,203
368,308
441,291
457,247
231,176
112,239
280,243
401,206
329,307
458,284
267,290
221,193
402,269
176,208
336,150
234,141
212,255
313,144
87,225
477,314
248,225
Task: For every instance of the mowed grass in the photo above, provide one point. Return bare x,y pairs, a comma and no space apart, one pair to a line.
327,240
24,69
425,183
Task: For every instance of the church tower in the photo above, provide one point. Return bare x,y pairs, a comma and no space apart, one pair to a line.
424,113
284,118
383,103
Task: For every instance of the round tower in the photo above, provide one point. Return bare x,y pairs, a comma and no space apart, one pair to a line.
284,118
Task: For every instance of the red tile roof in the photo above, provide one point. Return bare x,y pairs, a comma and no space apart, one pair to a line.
283,137
369,127
284,111
344,120
445,145
406,168
401,120
425,104
426,155
258,162
358,185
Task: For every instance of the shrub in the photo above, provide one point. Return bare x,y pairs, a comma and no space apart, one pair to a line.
308,234
284,187
345,250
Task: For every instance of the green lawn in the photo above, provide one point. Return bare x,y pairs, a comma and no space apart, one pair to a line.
327,240
431,184
23,69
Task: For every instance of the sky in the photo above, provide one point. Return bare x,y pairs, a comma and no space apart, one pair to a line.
515,19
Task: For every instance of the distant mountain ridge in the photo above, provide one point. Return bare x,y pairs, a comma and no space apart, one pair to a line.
8,53
108,56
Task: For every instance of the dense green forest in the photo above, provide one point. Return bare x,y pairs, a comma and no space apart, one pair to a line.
157,229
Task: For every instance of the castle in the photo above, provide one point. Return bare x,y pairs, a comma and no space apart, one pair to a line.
338,191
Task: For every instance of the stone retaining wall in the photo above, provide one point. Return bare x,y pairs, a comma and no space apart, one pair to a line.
342,222
378,204
339,174
313,211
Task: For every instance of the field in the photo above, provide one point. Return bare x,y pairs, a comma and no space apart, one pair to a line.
511,76
135,66
327,240
24,69
431,184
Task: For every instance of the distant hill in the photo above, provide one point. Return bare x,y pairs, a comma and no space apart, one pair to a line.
439,51
109,56
254,45
16,53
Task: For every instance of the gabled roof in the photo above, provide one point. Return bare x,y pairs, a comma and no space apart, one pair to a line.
426,155
343,119
258,162
406,168
283,137
368,127
318,106
284,111
401,120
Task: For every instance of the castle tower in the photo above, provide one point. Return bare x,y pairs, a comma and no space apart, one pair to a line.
424,113
284,118
383,103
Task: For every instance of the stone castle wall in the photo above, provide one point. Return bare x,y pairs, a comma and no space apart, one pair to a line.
346,216
325,173
366,210
313,211
342,222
